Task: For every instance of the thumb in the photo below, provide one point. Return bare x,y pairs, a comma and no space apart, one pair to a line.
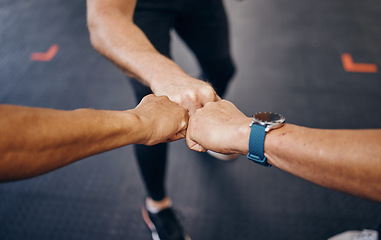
194,145
178,136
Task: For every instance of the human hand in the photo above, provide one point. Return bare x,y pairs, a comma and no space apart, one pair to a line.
188,92
163,120
220,127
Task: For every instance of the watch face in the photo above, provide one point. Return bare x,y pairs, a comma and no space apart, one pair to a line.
269,117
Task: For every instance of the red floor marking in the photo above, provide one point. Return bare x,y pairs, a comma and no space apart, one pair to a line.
45,56
350,66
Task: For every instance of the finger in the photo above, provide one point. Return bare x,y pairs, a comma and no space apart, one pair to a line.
198,148
210,98
177,136
216,98
184,124
194,145
192,109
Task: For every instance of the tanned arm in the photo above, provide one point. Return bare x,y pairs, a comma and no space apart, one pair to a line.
36,140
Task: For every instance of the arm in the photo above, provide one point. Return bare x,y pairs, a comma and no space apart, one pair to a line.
114,35
345,160
36,140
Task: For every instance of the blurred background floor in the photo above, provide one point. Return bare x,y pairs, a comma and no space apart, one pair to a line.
289,59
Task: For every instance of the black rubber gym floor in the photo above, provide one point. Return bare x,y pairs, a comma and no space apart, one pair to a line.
304,59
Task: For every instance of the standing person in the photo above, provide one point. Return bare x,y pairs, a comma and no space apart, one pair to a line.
135,36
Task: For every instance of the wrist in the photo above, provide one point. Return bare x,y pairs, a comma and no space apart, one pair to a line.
142,126
163,79
244,136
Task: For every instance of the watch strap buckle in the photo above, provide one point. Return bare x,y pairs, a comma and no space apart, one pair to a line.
257,159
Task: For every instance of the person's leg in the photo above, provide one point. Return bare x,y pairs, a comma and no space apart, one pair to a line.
157,211
152,159
203,26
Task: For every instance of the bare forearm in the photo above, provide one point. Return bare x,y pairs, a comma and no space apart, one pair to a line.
34,140
345,160
115,36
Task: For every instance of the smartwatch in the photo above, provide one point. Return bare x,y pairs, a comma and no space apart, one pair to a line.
261,124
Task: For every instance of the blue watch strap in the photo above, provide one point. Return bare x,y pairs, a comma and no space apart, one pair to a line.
256,145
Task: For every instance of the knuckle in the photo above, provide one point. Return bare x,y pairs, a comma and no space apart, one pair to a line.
198,111
163,97
208,104
190,94
208,91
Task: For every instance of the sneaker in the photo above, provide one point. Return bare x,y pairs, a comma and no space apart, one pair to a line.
223,157
164,225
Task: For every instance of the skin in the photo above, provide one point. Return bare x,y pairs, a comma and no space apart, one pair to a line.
344,160
114,34
34,141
